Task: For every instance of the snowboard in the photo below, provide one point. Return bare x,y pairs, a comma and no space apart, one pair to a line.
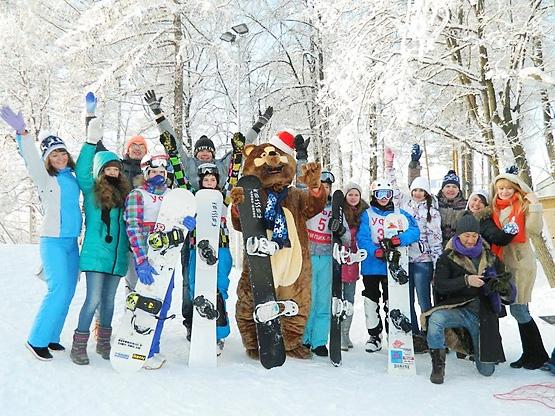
400,346
257,250
134,336
205,314
550,319
337,303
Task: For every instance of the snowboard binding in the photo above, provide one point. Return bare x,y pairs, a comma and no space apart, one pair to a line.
344,255
205,308
261,246
207,253
400,321
162,241
267,312
397,272
341,308
136,301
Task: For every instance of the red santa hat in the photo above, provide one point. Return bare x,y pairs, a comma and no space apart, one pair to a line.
284,141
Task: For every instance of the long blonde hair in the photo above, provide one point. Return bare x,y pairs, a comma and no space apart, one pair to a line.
523,206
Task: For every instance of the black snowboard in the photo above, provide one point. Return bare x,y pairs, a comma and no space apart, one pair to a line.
336,286
251,212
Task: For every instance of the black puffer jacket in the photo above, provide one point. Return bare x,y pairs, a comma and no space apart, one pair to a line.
489,230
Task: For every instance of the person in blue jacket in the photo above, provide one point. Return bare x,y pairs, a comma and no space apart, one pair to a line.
370,237
104,256
52,172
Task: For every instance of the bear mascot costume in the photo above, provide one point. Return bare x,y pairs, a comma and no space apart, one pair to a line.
274,165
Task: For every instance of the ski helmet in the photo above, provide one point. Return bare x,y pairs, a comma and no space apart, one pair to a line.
153,161
381,188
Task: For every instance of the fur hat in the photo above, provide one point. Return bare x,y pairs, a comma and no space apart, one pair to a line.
420,182
451,178
204,143
468,224
140,140
514,179
49,143
352,185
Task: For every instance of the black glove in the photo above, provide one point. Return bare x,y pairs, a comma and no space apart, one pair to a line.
238,142
389,244
301,147
153,102
168,141
264,118
500,285
415,153
336,226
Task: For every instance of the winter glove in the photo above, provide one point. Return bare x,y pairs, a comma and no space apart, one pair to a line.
90,103
389,156
238,142
153,102
15,121
189,222
415,153
336,226
511,227
390,243
301,147
168,141
264,118
94,131
379,253
145,272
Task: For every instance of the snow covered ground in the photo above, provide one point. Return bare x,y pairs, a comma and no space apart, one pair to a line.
240,386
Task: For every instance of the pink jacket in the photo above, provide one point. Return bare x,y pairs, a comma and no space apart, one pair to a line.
351,273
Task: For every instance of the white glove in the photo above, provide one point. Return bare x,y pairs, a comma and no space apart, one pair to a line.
94,131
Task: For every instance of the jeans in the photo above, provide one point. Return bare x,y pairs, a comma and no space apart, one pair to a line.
101,291
457,318
420,278
520,312
349,291
318,324
60,262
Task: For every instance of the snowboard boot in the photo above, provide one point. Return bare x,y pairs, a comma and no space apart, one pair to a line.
373,344
346,342
103,343
40,353
79,348
438,366
320,351
420,344
534,354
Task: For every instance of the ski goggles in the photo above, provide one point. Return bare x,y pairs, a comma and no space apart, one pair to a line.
383,193
327,176
160,161
207,169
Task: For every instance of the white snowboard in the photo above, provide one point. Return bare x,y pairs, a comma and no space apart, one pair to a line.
203,336
134,337
400,347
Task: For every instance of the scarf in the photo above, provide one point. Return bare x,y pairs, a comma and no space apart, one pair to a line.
472,252
274,218
519,218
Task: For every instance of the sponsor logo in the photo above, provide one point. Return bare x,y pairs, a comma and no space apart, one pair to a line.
138,357
397,343
396,356
120,355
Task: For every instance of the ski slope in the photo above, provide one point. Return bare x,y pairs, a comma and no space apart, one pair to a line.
240,386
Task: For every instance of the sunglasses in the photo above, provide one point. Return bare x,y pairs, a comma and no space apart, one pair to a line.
383,193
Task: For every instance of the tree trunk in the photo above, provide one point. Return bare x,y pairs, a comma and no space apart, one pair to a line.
178,77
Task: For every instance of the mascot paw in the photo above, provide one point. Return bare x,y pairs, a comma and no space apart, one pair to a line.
237,195
253,354
300,352
311,175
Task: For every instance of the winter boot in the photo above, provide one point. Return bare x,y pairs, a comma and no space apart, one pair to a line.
420,344
346,342
103,343
438,366
534,354
79,348
320,351
40,353
373,344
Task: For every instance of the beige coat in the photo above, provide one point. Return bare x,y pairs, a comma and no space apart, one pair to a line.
520,258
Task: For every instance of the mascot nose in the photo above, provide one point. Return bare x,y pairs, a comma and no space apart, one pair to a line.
272,153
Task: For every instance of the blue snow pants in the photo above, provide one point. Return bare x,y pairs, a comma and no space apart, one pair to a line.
318,325
225,263
155,347
60,262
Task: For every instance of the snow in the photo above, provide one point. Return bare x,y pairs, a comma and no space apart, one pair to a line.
240,386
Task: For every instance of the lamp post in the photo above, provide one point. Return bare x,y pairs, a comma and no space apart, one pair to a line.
235,39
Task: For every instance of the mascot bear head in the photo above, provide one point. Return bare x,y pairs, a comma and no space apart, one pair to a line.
272,162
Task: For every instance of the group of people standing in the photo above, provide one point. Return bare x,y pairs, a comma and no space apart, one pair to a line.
467,258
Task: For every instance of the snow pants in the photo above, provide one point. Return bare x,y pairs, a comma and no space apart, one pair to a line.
318,325
372,295
60,262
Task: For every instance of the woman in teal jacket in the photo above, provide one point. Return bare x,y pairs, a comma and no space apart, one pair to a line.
104,256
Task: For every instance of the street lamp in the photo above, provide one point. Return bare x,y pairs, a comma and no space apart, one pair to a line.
235,38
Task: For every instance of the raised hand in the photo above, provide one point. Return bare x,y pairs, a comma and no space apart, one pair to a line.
264,118
301,147
389,156
153,102
15,121
238,142
416,152
90,102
